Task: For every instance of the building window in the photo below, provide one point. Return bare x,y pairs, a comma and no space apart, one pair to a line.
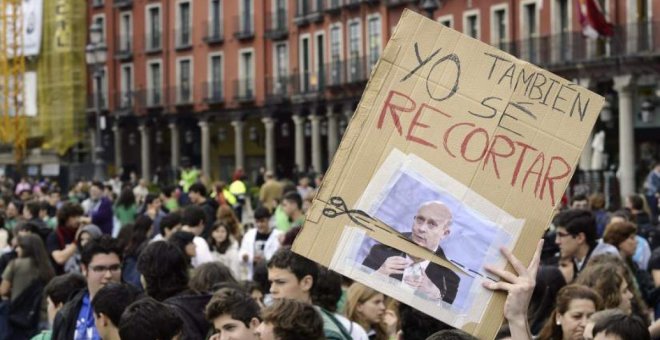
305,68
99,20
247,11
354,42
530,32
185,29
499,28
246,72
281,67
374,40
153,28
126,84
125,31
471,25
215,68
155,84
103,100
185,81
216,19
447,20
335,55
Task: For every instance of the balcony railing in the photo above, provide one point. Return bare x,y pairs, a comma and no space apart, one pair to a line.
183,95
308,11
124,47
97,3
244,27
356,70
103,101
308,83
335,74
124,100
154,97
213,93
276,27
333,6
278,89
123,3
352,3
392,3
244,90
153,41
183,38
214,32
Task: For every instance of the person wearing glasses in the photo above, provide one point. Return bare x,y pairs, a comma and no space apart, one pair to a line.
431,224
101,265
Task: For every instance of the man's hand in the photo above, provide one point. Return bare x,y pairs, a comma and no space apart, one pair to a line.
425,286
394,265
519,290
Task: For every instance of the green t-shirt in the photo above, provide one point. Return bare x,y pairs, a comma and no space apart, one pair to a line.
44,335
171,204
20,272
281,220
126,215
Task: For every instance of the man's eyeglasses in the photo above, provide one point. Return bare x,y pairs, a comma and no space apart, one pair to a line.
420,220
102,269
561,234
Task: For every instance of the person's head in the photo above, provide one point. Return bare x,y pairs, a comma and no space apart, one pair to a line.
68,215
207,275
303,182
31,210
608,281
220,238
197,193
576,232
126,198
32,247
261,220
292,204
621,215
588,333
148,319
580,201
44,208
139,234
101,263
59,290
291,276
431,224
167,191
88,233
13,209
596,201
327,289
269,175
417,325
621,327
164,270
366,306
108,305
451,334
255,290
635,203
27,228
193,218
170,224
574,305
184,241
234,315
96,191
290,320
622,235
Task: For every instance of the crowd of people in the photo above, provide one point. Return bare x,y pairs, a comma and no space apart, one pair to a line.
125,260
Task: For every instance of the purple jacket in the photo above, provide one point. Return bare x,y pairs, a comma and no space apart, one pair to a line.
102,216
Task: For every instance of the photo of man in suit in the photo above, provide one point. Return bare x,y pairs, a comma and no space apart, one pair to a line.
431,224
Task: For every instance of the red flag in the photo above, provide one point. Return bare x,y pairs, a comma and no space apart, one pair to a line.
593,21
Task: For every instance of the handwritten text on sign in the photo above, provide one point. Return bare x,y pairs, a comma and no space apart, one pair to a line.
533,169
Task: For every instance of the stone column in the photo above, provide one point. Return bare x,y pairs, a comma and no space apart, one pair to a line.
175,145
316,142
624,86
145,152
239,148
206,148
116,130
299,122
269,124
333,133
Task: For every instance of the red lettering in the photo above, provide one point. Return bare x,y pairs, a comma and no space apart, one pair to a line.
467,140
416,122
395,109
549,180
492,152
540,157
516,170
448,132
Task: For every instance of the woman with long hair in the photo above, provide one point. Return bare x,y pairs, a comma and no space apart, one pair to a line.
126,208
609,281
226,214
31,264
575,304
136,240
224,247
366,307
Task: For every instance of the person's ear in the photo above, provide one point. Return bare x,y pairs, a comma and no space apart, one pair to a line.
581,237
254,323
83,269
307,282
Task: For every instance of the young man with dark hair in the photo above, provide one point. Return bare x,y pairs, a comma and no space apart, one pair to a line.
152,209
148,319
169,201
61,243
580,201
290,320
575,235
197,194
57,292
101,265
621,327
260,243
292,206
192,221
234,315
293,277
108,304
100,208
170,224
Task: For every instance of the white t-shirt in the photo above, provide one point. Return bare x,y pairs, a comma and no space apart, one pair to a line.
357,332
203,252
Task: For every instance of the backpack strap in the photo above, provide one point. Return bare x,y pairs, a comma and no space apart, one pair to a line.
340,327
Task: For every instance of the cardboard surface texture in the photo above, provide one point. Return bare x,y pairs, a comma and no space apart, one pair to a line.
456,141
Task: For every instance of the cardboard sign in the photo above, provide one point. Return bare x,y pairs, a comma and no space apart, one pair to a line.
455,150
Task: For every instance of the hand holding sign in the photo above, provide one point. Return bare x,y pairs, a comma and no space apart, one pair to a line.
394,265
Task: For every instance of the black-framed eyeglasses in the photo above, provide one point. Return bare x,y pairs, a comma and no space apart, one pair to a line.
113,268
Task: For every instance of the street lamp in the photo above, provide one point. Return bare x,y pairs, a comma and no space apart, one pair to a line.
95,55
429,6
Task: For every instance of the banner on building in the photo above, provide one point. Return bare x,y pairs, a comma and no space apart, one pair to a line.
30,26
456,149
61,74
